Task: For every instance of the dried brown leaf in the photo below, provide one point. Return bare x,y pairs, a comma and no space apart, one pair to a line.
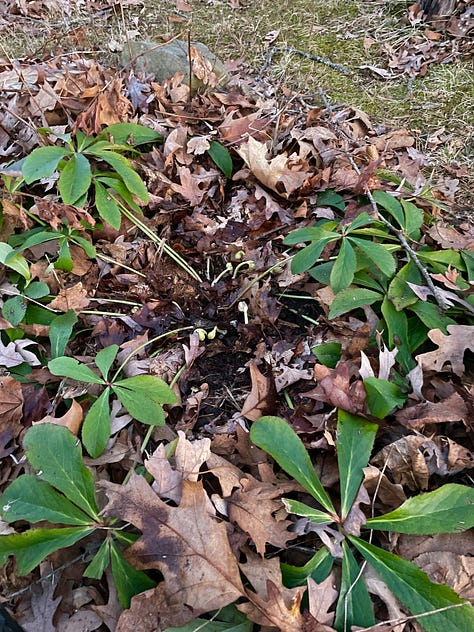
272,172
253,507
187,544
451,349
272,604
261,400
451,409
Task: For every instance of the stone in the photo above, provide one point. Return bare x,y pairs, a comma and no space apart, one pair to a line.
164,60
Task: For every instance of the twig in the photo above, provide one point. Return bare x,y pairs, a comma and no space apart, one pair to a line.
296,51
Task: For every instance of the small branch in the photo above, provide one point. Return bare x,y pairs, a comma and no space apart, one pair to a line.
302,53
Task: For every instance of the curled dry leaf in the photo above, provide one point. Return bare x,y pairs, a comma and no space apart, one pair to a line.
272,172
262,398
453,408
72,419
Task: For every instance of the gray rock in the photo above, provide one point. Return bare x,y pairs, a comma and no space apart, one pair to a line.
165,60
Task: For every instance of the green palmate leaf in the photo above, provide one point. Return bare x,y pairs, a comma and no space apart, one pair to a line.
64,261
448,509
328,353
85,245
468,259
60,332
56,455
128,581
431,316
352,298
104,359
131,134
14,261
331,198
318,568
313,233
300,509
306,258
119,188
42,162
70,367
378,254
355,438
28,498
96,427
397,326
417,593
363,219
413,218
221,157
100,561
14,309
354,607
390,204
143,396
275,436
107,207
344,267
382,396
37,290
31,547
75,179
399,292
122,166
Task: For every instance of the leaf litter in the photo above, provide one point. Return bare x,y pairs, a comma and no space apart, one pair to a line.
238,341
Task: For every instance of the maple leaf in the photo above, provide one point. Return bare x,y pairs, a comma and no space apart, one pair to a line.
186,543
271,172
450,350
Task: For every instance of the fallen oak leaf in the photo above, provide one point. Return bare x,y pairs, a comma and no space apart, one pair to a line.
450,350
272,604
186,543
